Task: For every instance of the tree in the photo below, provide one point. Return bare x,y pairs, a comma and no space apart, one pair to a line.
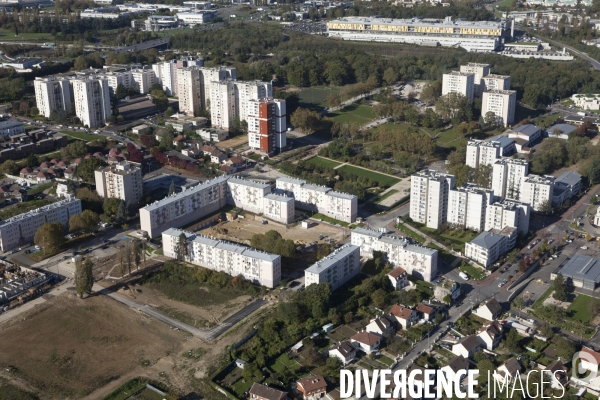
86,169
137,253
121,91
32,161
110,207
379,297
560,289
519,303
348,317
76,224
121,215
159,98
490,118
182,247
90,220
50,236
390,76
9,167
84,276
171,188
545,207
431,92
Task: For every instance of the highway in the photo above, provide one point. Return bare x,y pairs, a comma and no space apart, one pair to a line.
578,53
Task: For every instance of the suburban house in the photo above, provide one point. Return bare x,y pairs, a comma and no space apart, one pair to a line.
559,375
398,277
380,326
426,311
217,156
590,366
490,310
262,392
490,335
365,341
312,387
344,352
404,316
509,368
458,363
467,346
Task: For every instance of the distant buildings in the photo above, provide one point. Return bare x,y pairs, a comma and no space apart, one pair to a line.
11,128
336,269
121,181
587,101
234,259
19,230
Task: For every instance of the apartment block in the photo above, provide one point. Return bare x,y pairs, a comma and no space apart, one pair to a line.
20,230
336,269
247,91
467,206
247,194
566,186
188,90
222,104
279,207
340,206
459,82
429,197
210,75
218,255
52,93
116,78
143,79
486,248
494,82
417,260
502,103
479,70
165,75
508,213
537,190
482,152
507,177
92,101
121,181
266,124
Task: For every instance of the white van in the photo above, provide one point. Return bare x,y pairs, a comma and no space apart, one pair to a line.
464,276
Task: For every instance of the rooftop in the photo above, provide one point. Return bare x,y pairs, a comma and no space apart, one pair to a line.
582,268
527,129
332,259
37,211
244,182
9,124
565,129
459,23
266,392
487,240
570,178
289,179
185,193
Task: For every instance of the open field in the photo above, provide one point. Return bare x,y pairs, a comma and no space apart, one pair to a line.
474,273
384,180
6,35
354,113
81,135
316,95
67,347
324,162
580,309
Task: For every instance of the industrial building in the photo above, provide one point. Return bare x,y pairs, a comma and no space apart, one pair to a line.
121,181
219,255
336,269
20,229
584,271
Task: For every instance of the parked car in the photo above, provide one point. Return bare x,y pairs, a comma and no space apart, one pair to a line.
583,247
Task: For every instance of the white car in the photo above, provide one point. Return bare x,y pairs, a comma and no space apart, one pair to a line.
583,247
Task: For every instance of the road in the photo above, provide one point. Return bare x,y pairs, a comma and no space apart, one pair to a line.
578,53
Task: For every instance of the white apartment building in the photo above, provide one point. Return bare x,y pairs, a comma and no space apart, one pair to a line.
507,176
164,73
210,75
336,269
480,70
537,190
249,91
247,194
429,197
502,103
467,206
340,206
459,82
494,82
266,124
482,152
218,255
508,213
188,90
121,181
52,93
486,248
222,104
20,230
587,101
278,207
116,78
416,260
92,101
142,79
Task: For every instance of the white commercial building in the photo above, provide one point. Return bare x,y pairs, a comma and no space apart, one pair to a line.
472,36
507,177
92,101
480,70
459,82
486,248
340,206
502,103
482,152
218,255
587,101
429,197
20,230
197,17
400,253
537,191
467,206
52,93
508,213
121,181
336,269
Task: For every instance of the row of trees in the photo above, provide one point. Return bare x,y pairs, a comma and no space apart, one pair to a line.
273,242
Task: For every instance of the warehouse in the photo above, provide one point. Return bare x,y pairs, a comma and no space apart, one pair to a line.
584,271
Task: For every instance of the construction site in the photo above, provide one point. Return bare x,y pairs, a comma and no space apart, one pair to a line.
18,284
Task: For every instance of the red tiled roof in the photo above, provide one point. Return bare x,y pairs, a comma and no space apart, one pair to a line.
366,338
425,309
401,311
312,383
396,272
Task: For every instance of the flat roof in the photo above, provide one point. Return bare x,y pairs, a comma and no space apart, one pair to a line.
278,197
38,211
564,128
331,259
245,182
316,188
459,23
503,141
527,129
582,268
341,195
367,232
289,179
185,193
569,178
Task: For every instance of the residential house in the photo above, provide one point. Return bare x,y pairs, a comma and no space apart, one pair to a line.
559,375
217,157
344,352
404,316
399,278
366,341
490,335
262,392
380,326
490,310
589,354
467,346
454,366
312,387
510,368
428,312
235,161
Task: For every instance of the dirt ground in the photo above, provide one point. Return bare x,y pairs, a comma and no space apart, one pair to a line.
243,229
69,348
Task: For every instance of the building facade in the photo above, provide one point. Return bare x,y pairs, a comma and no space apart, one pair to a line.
121,181
494,82
482,152
429,197
52,93
266,118
486,248
537,191
500,102
92,101
480,70
507,177
188,90
467,206
336,269
459,82
508,213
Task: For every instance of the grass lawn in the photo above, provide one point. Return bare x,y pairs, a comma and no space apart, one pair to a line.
547,120
385,196
444,255
383,180
10,35
81,135
324,162
283,363
474,273
328,219
241,386
385,360
354,113
39,188
341,333
579,310
316,95
127,390
409,232
541,300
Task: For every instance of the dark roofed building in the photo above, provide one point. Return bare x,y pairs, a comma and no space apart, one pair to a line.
584,271
312,387
262,392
